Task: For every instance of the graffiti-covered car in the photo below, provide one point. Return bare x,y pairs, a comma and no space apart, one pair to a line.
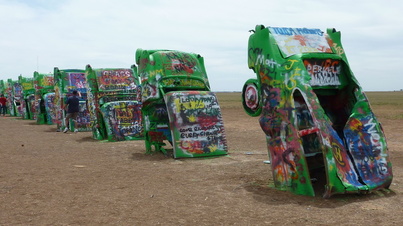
15,98
178,107
27,104
114,103
44,98
8,93
65,82
317,120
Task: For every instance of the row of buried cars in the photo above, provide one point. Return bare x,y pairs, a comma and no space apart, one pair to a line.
166,101
321,133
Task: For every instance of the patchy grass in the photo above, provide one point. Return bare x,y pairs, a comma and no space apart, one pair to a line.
230,100
387,104
385,98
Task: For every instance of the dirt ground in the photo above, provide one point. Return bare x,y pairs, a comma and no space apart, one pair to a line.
52,178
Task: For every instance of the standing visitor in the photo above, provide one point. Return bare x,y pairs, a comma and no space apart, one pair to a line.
3,106
72,107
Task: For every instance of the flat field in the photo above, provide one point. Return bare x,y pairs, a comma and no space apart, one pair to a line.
52,178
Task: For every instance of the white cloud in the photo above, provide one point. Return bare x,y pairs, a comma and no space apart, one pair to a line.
42,34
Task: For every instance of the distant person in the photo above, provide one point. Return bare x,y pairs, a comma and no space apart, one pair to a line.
72,107
3,105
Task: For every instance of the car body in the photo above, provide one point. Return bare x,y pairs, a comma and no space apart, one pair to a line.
319,125
114,103
178,106
44,98
67,80
28,97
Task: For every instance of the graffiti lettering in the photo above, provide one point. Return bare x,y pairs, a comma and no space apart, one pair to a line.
296,31
289,80
339,49
132,130
197,122
375,137
300,40
184,99
269,62
123,119
323,72
196,104
115,79
290,64
338,155
200,131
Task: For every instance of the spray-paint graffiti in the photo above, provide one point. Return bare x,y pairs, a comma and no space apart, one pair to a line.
123,119
285,166
295,31
323,72
31,106
339,49
27,85
113,102
316,117
181,63
18,100
171,82
294,40
119,79
364,142
106,99
58,119
10,101
265,60
345,169
149,92
82,122
66,81
188,120
197,121
190,107
49,101
77,82
48,81
43,84
161,112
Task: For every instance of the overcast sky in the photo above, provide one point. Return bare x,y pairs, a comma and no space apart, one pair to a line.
38,35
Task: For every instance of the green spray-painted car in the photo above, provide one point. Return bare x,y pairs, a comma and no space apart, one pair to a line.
44,98
27,104
178,107
114,103
67,80
16,103
322,135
